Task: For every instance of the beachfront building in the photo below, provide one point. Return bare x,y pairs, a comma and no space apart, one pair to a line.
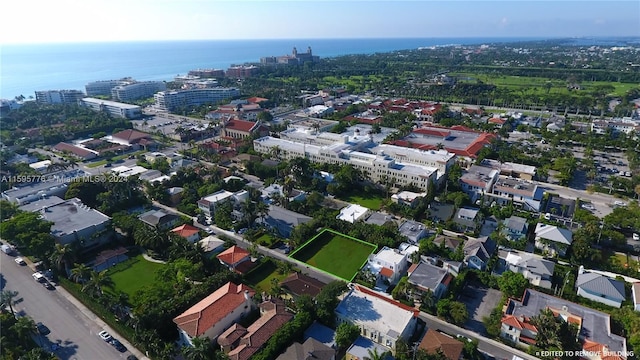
115,109
137,90
59,96
104,87
170,100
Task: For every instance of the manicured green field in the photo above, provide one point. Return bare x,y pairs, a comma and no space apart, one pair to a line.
260,277
133,274
372,201
335,253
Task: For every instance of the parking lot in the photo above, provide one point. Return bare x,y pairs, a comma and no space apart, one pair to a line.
480,301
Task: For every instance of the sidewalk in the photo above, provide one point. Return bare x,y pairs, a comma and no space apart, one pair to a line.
91,316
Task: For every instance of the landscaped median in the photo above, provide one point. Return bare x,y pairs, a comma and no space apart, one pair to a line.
335,253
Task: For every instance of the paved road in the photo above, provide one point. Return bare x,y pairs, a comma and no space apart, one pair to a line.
70,328
602,202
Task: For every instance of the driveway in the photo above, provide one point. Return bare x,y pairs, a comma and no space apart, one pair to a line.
480,301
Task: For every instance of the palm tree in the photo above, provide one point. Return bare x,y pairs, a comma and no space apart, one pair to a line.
201,349
374,354
6,299
62,256
36,354
24,327
96,283
80,273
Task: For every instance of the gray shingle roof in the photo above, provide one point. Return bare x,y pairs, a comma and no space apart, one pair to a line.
600,284
427,276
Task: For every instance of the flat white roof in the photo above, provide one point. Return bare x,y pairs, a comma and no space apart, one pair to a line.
218,196
110,103
388,255
352,213
40,164
364,309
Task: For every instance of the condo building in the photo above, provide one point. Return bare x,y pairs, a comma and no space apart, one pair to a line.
115,109
59,96
137,90
170,100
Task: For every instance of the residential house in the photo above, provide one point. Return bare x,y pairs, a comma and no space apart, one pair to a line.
277,190
214,314
208,203
189,232
552,239
447,242
594,326
240,343
159,219
520,192
319,332
635,294
478,181
283,221
378,218
175,195
389,265
380,318
311,349
212,244
408,198
468,219
362,348
298,284
440,213
515,228
435,342
413,231
477,252
353,213
534,268
236,258
600,288
426,277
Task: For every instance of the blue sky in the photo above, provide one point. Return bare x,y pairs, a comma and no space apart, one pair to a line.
52,21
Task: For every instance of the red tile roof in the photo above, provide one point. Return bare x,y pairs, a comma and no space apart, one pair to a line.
240,125
386,272
233,255
185,230
131,136
206,313
434,341
516,323
64,147
433,132
412,268
256,100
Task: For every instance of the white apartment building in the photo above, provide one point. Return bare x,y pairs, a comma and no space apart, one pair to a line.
115,109
59,96
103,87
169,100
382,163
137,90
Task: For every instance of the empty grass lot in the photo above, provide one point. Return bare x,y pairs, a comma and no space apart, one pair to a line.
371,201
133,274
260,277
335,253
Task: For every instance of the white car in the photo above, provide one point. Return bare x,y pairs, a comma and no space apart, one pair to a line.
104,335
39,277
636,236
20,261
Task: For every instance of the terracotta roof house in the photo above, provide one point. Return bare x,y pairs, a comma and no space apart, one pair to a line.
84,154
130,137
189,232
594,326
216,313
240,343
234,257
309,350
298,284
434,341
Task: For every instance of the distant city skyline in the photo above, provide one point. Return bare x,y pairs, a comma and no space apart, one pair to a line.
63,21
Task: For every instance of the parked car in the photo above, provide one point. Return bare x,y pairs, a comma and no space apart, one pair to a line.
42,329
118,345
104,335
20,261
132,357
47,285
636,236
37,276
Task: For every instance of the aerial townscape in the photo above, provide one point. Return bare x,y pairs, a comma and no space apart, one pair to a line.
446,202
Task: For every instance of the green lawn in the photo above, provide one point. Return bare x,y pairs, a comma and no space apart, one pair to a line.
371,201
260,277
267,240
133,274
335,253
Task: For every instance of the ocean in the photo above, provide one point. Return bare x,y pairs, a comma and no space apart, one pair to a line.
25,69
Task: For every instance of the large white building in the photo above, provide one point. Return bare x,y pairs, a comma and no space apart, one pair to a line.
59,96
137,90
169,100
103,87
115,109
381,163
